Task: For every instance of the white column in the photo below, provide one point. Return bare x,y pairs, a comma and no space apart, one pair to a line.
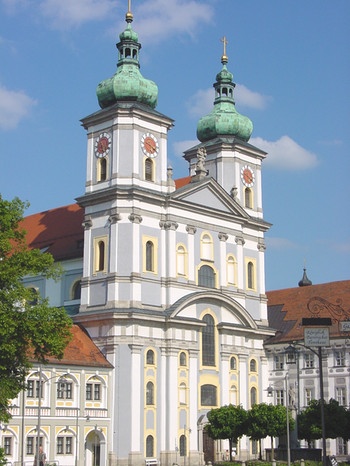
223,268
191,259
193,400
240,262
136,416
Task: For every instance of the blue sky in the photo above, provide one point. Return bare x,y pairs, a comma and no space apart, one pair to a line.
291,63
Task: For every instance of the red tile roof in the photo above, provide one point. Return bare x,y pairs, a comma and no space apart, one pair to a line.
180,182
287,307
81,351
57,231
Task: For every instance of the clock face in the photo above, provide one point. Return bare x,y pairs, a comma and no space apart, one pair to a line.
103,145
247,176
149,145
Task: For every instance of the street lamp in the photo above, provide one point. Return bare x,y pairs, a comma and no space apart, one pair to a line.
320,366
270,390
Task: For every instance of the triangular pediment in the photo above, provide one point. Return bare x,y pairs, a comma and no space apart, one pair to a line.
208,194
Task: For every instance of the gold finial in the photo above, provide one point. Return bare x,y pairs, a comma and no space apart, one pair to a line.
224,58
129,16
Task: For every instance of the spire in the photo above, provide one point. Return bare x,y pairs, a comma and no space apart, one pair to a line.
224,120
305,281
127,84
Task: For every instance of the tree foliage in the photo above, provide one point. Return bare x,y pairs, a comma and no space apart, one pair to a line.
227,422
337,421
267,420
29,328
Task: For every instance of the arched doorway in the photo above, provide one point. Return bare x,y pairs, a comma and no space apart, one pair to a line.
95,451
208,448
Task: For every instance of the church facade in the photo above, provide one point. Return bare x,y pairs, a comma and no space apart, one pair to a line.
167,279
172,289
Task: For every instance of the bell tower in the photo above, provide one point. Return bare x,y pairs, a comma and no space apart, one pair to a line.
224,134
127,169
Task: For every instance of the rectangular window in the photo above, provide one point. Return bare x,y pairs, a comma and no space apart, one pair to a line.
340,358
60,445
279,362
8,446
65,390
309,360
340,395
69,449
30,445
89,391
33,389
93,391
308,396
97,391
30,389
280,397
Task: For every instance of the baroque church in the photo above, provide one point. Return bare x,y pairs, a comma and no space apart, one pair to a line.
165,277
172,289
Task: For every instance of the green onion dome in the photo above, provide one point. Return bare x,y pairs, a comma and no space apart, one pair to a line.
127,84
224,120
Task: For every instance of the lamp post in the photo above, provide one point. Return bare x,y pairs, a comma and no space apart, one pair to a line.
270,390
323,423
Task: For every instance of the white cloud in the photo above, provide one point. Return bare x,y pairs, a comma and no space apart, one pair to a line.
14,106
159,19
286,154
247,98
202,102
180,146
66,14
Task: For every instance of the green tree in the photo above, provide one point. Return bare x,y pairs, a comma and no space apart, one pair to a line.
30,330
267,420
227,422
336,421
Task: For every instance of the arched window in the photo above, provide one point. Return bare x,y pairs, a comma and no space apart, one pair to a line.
253,396
149,393
149,256
100,256
150,357
149,446
76,290
183,445
149,165
208,341
233,364
207,247
206,276
252,365
230,266
208,395
102,169
250,275
248,198
181,260
183,359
